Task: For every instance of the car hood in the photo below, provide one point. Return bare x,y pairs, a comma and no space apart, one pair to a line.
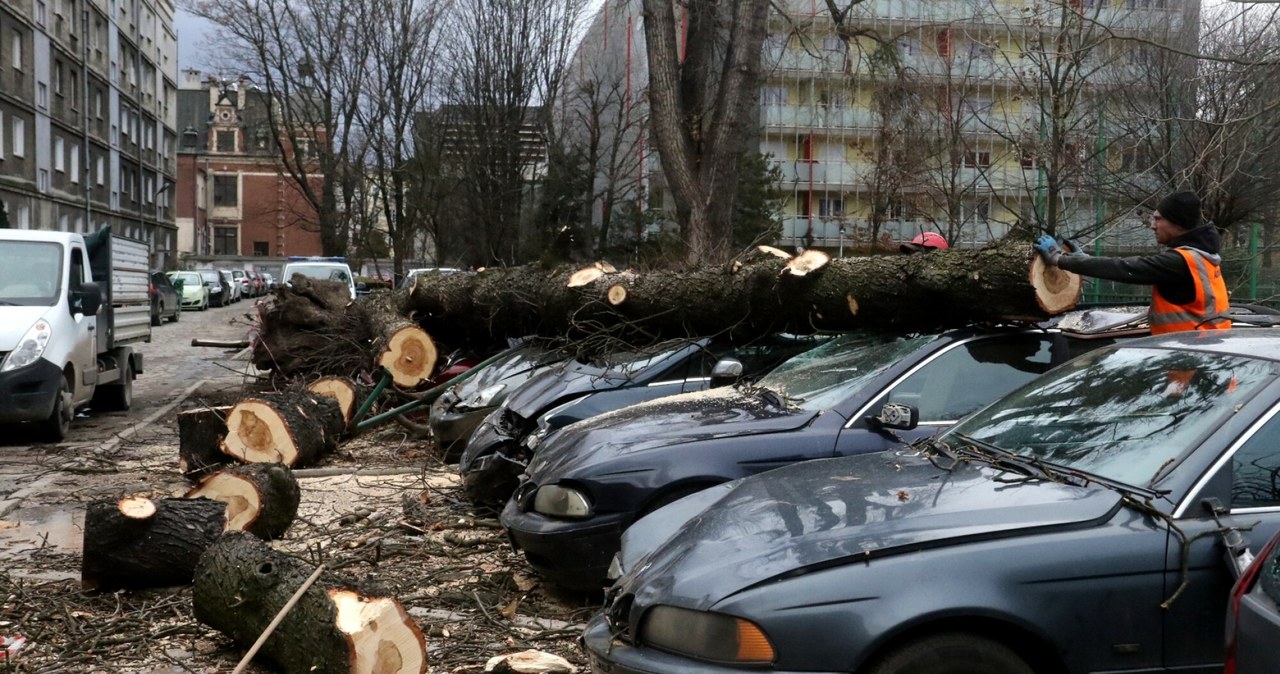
817,514
566,380
511,373
672,420
15,322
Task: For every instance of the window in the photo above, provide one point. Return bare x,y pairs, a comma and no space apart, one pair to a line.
19,137
59,155
1255,469
224,241
1,135
226,191
833,43
15,46
42,95
1029,159
57,77
75,163
101,170
262,248
773,95
943,390
908,46
42,180
97,102
42,13
830,206
977,159
225,141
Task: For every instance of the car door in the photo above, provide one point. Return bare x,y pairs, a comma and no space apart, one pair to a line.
1248,486
952,383
86,340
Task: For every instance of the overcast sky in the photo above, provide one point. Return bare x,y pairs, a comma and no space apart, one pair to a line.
191,34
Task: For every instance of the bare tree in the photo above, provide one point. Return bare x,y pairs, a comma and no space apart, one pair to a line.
702,89
309,56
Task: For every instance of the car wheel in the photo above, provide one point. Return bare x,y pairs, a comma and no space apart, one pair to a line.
116,397
55,428
155,316
951,653
177,313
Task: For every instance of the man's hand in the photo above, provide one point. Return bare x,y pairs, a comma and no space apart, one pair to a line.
1049,249
1070,247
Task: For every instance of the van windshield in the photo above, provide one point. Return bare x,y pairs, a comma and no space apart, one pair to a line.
322,273
30,273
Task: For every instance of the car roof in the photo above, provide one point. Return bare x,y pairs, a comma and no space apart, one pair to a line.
1261,343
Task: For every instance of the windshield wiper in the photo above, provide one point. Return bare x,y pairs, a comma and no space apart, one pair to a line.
770,396
1002,457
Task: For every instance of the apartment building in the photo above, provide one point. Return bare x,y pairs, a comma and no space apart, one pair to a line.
234,196
87,116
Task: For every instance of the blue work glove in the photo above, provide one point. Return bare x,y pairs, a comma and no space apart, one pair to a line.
1049,249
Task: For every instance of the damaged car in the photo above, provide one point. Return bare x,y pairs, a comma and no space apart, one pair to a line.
1086,522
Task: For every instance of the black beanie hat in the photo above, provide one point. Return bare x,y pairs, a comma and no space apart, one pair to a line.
1182,209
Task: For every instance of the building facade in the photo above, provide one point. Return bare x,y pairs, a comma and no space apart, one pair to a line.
87,117
235,199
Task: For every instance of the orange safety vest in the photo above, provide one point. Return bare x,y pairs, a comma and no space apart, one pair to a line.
1207,311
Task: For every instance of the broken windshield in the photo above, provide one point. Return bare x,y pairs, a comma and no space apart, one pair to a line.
1125,414
819,378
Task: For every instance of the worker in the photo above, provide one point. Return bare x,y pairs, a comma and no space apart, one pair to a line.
1187,292
924,243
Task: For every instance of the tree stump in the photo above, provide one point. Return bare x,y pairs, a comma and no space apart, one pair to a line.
295,429
200,434
137,542
241,584
262,498
340,389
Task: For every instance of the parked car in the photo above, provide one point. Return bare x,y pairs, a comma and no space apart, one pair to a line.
237,290
219,288
323,268
1075,525
258,282
460,409
497,451
1253,620
242,280
412,275
192,292
269,280
164,299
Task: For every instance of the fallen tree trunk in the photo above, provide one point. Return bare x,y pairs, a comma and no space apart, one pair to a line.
765,294
343,390
200,434
261,498
295,429
241,584
137,542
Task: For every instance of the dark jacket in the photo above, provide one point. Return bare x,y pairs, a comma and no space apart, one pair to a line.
1167,271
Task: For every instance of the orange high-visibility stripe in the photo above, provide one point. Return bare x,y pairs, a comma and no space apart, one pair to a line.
1206,311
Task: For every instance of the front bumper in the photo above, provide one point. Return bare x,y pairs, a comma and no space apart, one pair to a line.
573,554
611,656
196,301
28,393
452,429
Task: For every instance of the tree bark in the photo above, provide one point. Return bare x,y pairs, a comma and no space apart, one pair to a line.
295,429
128,545
241,584
261,498
200,434
891,292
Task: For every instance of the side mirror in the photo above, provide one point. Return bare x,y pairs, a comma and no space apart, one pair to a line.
726,371
87,299
896,416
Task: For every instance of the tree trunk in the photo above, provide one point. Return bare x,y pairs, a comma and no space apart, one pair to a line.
889,292
401,347
137,542
295,429
261,498
344,391
241,584
200,434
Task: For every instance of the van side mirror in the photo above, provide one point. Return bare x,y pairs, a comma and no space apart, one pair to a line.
87,299
896,416
726,371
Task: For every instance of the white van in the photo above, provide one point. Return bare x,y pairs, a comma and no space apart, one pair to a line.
322,268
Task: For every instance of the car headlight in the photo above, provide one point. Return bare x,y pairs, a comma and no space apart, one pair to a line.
706,636
484,397
30,347
558,501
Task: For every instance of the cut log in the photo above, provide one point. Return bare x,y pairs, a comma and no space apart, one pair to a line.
241,584
137,542
402,348
765,294
200,434
295,429
343,390
261,498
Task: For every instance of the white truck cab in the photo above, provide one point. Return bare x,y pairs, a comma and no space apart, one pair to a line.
322,268
69,305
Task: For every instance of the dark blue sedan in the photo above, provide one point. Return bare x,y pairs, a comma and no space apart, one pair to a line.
1079,524
591,480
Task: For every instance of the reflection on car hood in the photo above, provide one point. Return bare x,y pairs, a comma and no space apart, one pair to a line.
819,513
566,380
664,422
512,372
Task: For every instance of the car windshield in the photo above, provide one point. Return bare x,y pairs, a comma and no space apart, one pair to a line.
30,273
186,278
211,276
1127,414
322,273
819,378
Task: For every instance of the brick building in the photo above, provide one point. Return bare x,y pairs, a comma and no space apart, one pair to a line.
235,200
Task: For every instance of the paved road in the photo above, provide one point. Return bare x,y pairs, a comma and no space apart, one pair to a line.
118,452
